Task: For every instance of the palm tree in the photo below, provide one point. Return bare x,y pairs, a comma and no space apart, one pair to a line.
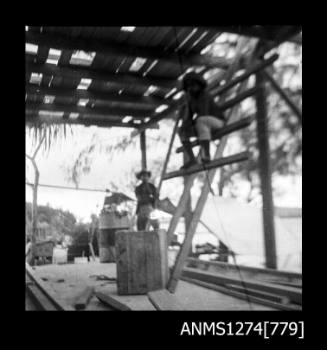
42,136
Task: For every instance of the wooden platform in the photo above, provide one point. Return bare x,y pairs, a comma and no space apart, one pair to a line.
67,281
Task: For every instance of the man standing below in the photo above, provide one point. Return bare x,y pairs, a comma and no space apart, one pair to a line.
147,197
201,117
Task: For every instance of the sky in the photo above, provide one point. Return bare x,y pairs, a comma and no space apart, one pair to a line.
104,170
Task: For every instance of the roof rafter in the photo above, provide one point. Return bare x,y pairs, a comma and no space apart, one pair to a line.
76,94
122,50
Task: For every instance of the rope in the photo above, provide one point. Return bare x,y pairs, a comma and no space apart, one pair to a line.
211,190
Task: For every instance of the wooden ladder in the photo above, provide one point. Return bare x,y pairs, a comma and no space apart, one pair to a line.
191,173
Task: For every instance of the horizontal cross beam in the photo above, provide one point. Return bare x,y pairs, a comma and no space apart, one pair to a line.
99,112
226,130
121,79
76,94
122,50
239,157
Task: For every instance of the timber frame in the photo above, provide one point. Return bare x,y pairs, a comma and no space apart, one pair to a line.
111,77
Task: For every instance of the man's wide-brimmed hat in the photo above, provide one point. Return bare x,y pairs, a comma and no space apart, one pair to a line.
193,77
145,172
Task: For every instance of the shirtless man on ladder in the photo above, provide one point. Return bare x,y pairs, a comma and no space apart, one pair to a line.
201,116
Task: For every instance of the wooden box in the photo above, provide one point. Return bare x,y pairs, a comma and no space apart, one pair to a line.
141,260
110,220
44,249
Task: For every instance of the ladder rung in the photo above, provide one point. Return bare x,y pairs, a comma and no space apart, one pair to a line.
228,129
239,157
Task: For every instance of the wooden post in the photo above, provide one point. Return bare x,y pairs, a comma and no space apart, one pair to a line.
143,149
188,206
265,173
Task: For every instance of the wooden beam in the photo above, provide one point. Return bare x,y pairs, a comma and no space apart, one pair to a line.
60,305
122,50
122,79
98,112
237,99
76,94
284,96
143,150
38,297
241,295
112,302
110,297
216,163
292,293
265,173
83,299
164,301
247,270
253,69
226,130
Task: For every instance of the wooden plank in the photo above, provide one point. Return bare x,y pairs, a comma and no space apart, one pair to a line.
47,291
260,294
83,299
292,293
124,302
265,172
112,302
164,301
228,267
38,297
284,96
243,296
226,130
216,163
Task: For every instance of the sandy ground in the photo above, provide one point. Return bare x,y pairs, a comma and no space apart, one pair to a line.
69,280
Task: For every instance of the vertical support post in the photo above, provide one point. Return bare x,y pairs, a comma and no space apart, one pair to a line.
188,207
143,149
265,173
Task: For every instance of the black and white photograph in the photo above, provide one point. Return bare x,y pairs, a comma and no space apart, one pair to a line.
163,169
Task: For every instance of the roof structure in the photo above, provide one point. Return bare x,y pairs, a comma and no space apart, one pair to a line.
120,76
